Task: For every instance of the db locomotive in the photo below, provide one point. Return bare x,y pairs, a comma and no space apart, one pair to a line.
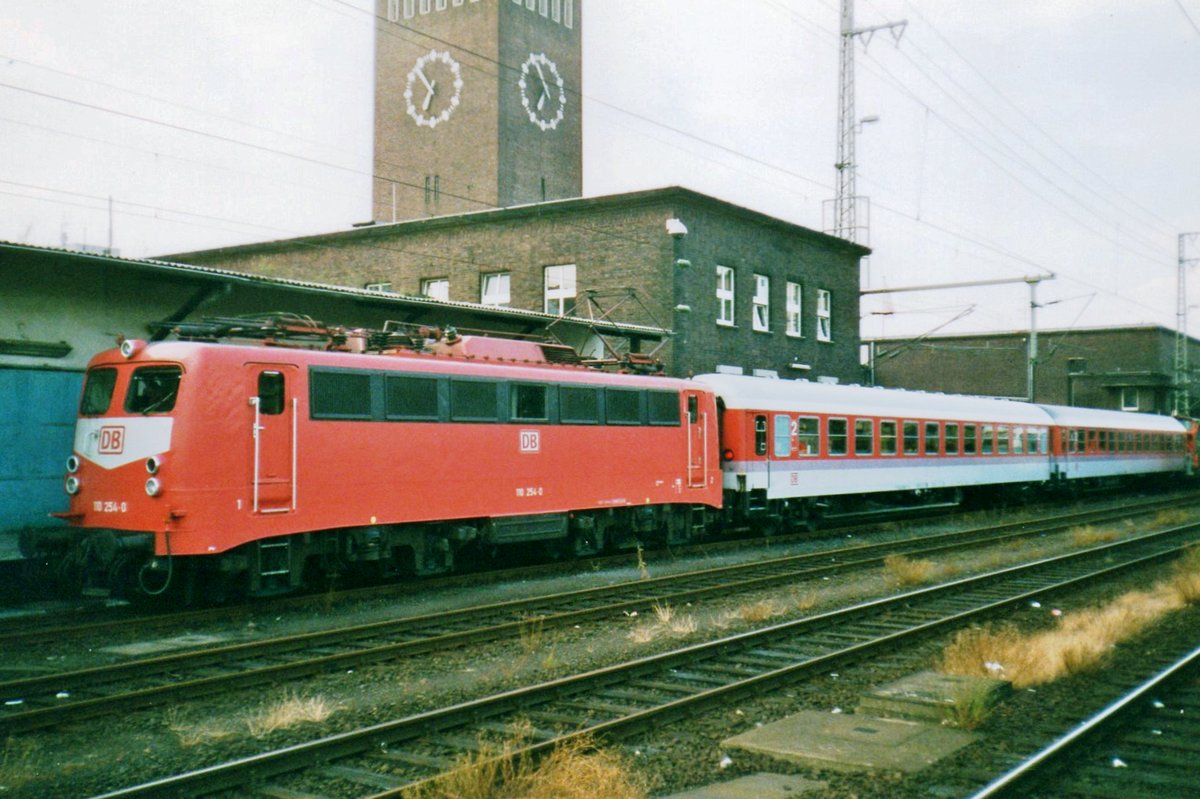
208,465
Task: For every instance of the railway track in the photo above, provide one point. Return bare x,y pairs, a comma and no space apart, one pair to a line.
386,759
48,699
1145,743
45,700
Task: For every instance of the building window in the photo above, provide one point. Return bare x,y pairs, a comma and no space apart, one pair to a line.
560,289
794,317
381,286
725,296
494,289
393,10
761,308
436,288
1129,399
824,315
433,189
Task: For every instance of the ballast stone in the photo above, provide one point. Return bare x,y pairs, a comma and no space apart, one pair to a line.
754,786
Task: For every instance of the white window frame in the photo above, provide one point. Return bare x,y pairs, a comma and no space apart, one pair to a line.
436,288
495,289
725,296
1125,406
824,315
558,289
795,310
382,285
760,309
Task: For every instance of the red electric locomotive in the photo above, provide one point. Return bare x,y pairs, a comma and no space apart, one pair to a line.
199,464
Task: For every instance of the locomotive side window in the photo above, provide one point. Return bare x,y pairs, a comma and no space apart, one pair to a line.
933,436
663,407
783,436
340,395
837,436
969,439
579,405
951,438
270,393
887,437
912,438
411,398
474,400
528,403
864,437
153,389
622,406
808,435
760,435
98,391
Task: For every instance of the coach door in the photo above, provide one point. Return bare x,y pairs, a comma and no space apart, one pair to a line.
273,420
697,441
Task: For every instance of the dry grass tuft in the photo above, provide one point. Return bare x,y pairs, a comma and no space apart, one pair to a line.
1089,535
1171,518
643,572
532,633
971,707
667,621
904,571
759,612
1080,642
18,764
194,733
288,712
576,769
1185,581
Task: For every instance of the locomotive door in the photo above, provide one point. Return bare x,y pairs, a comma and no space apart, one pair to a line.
697,442
273,410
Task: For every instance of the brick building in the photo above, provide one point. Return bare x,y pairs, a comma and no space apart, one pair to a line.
741,290
1127,368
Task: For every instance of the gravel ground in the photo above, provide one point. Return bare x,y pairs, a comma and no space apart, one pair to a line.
108,753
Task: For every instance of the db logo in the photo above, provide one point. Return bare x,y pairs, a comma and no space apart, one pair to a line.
531,441
112,440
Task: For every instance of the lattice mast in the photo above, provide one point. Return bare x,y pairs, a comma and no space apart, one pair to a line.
1182,395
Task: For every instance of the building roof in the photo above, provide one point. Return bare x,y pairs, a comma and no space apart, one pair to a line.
208,273
1024,333
517,212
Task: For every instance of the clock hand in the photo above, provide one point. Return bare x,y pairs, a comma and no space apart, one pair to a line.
429,95
421,74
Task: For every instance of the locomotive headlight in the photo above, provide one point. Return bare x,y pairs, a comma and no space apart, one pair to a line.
131,346
72,484
153,487
153,464
73,464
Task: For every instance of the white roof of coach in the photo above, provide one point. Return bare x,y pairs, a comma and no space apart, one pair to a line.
803,396
1117,420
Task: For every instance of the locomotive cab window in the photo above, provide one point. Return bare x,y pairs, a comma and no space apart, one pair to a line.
411,398
153,389
98,391
270,393
528,402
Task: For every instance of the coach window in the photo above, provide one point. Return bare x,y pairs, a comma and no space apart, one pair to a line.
270,393
760,435
474,400
783,436
912,438
985,444
528,403
579,404
951,438
98,391
837,436
411,398
1002,438
887,437
969,439
808,435
932,436
1018,441
864,437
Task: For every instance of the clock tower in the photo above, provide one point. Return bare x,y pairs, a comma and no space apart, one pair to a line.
477,105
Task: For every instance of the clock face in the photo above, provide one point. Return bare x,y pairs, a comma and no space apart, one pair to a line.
542,92
434,88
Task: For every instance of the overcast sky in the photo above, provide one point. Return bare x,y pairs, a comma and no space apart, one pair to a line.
1015,137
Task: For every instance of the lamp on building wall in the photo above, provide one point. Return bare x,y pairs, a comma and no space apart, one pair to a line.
679,267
